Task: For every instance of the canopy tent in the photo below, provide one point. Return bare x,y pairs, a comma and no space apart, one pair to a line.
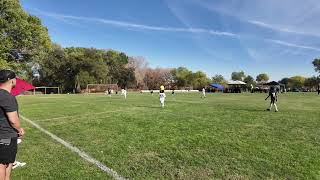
236,83
217,86
21,86
281,87
272,83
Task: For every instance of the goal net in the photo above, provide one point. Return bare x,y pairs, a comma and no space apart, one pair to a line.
101,88
46,90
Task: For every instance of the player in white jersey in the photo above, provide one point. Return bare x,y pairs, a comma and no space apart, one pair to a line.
124,93
203,93
162,97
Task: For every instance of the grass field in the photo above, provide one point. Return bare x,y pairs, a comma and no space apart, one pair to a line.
225,136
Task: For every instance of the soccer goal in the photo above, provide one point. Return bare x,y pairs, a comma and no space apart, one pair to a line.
101,88
46,90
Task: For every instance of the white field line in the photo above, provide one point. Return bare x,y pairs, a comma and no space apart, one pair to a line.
74,149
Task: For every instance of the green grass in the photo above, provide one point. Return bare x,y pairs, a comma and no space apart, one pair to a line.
225,136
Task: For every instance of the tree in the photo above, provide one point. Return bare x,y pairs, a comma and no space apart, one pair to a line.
219,79
249,80
53,68
262,78
72,68
23,38
311,82
296,82
284,81
119,71
316,64
127,78
140,65
199,80
154,78
181,76
238,76
81,60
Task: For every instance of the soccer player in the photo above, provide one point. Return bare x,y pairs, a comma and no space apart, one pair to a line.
125,93
318,89
109,92
162,97
203,93
162,88
274,98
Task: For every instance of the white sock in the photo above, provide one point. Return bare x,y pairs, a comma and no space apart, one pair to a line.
275,106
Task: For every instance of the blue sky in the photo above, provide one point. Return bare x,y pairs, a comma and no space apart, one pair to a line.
280,38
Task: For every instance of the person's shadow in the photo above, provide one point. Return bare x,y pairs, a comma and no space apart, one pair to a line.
151,107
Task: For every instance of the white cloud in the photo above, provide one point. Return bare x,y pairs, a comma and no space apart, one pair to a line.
63,17
279,28
286,16
293,45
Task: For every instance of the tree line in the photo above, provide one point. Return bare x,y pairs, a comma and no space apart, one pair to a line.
27,49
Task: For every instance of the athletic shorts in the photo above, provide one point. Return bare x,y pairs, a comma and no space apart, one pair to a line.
8,152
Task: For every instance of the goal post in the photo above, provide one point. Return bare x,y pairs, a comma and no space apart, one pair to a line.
101,88
46,90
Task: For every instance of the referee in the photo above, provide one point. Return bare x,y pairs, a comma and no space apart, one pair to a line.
10,128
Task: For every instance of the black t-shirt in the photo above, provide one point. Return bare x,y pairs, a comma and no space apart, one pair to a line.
273,94
8,103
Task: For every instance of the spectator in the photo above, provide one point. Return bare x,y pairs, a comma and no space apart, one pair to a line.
9,123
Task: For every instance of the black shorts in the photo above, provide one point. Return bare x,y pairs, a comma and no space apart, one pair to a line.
8,152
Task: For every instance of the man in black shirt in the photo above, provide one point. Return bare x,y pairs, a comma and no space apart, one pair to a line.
9,123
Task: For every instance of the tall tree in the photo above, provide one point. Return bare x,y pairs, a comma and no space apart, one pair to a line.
262,78
53,68
181,76
311,82
199,80
72,68
219,79
238,76
249,80
296,81
154,78
316,64
140,65
23,38
119,71
284,81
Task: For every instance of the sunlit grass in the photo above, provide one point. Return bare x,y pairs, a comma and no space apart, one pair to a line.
222,136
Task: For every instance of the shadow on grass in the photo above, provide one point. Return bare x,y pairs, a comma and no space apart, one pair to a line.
151,107
248,109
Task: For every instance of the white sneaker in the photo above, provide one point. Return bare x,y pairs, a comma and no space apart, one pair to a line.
18,164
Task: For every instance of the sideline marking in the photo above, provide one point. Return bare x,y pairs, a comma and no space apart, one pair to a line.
82,154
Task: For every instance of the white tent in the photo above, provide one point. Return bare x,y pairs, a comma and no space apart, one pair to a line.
236,83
